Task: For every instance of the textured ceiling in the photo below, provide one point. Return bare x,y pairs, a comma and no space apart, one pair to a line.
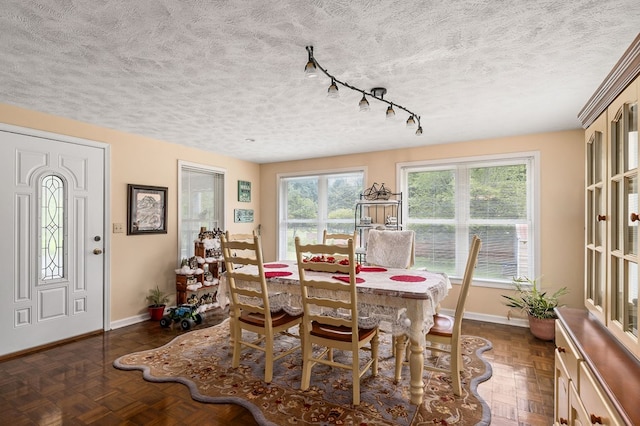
211,74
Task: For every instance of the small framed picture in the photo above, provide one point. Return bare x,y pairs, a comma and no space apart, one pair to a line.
243,215
244,191
146,209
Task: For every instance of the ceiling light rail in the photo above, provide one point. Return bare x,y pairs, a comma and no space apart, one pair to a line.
311,70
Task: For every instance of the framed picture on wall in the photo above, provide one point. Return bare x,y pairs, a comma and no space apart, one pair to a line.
146,209
244,191
243,215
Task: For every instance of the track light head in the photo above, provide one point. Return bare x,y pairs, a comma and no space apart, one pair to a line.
332,91
419,131
310,70
390,112
364,104
411,122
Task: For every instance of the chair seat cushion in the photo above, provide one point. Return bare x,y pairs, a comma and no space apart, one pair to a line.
442,325
277,318
340,333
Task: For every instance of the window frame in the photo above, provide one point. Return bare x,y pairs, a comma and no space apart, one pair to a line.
281,245
203,169
531,158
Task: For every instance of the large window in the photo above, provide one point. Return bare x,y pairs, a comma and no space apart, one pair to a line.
448,202
311,203
201,201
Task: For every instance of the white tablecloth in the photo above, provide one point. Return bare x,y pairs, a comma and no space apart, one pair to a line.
398,297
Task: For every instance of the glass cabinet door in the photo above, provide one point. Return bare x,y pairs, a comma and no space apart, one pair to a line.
625,217
596,219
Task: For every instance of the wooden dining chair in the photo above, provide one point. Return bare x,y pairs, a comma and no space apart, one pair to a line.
250,308
391,249
445,334
331,314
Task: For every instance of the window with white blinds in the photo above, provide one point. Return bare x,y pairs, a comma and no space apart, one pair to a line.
311,203
201,199
492,197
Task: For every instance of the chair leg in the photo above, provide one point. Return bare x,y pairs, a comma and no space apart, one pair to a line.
456,382
237,346
268,359
375,343
301,334
232,330
400,354
306,365
456,366
355,378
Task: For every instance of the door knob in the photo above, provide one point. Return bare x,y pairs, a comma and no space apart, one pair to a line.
97,251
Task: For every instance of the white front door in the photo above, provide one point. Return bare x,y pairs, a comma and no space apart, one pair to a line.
51,252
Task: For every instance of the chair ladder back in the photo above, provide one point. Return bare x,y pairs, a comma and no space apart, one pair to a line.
238,250
323,294
338,238
251,255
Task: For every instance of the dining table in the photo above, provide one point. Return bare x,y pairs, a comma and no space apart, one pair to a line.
401,300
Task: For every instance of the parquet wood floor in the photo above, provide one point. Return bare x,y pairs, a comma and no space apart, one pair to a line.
76,384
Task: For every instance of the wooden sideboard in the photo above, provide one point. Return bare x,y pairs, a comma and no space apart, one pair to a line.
597,379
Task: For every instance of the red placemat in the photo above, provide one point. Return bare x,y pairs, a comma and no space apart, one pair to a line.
272,274
373,269
408,278
275,265
346,278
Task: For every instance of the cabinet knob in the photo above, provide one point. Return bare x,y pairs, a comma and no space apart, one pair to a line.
634,217
563,421
595,420
97,251
602,217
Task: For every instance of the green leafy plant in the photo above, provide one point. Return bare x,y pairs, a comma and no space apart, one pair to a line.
530,299
157,297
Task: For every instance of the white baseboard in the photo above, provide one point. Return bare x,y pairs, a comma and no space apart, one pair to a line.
518,322
130,321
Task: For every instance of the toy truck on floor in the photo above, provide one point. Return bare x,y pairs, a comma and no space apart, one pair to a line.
186,315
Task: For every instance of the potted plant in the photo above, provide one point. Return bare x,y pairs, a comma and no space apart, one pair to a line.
537,304
158,301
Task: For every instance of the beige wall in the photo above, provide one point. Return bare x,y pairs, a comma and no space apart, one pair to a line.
139,262
562,203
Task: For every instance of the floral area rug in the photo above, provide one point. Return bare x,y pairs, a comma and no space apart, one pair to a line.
201,360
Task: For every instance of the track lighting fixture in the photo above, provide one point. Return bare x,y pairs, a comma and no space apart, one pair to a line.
311,70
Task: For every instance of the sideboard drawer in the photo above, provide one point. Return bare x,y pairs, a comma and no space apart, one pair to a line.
578,414
595,401
568,353
562,384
